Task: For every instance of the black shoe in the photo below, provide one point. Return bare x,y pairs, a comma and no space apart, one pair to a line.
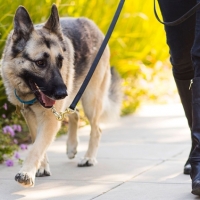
186,99
196,188
195,175
187,168
195,154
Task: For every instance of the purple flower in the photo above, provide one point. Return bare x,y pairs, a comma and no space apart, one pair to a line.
17,156
23,146
9,129
4,116
17,128
5,106
4,130
15,141
9,163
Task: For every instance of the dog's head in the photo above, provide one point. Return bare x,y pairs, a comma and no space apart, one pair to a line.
38,54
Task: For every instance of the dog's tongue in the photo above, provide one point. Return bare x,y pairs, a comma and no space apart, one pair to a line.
47,101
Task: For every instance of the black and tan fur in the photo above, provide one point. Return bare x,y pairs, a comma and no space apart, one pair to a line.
49,62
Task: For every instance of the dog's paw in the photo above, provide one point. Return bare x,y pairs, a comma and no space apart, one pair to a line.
71,153
87,162
25,179
43,172
71,150
44,169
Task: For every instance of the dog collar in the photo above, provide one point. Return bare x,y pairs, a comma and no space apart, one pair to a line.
31,102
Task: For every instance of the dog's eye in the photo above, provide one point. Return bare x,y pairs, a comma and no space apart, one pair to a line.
59,61
40,63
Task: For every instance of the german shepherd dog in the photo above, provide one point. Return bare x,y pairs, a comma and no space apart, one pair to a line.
49,62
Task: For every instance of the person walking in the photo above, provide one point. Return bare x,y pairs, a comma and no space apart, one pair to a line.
184,47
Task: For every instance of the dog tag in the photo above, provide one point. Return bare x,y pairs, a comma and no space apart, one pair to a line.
18,110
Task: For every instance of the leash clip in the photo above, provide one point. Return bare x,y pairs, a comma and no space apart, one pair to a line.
60,116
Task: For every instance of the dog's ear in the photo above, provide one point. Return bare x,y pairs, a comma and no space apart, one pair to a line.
23,27
53,23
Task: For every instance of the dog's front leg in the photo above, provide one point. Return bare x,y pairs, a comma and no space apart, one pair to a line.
48,126
30,117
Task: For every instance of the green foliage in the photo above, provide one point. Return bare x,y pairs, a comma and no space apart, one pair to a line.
137,44
7,147
3,97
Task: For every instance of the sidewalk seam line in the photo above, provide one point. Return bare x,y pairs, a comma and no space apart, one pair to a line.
128,180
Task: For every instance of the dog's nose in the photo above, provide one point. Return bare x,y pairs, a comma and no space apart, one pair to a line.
60,93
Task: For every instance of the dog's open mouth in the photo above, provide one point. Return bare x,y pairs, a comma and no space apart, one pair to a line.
44,100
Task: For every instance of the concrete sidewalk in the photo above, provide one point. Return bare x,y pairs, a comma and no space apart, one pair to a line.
141,157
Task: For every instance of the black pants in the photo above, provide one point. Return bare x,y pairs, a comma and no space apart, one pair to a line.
184,39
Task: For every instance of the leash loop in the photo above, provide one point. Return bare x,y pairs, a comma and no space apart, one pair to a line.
179,20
